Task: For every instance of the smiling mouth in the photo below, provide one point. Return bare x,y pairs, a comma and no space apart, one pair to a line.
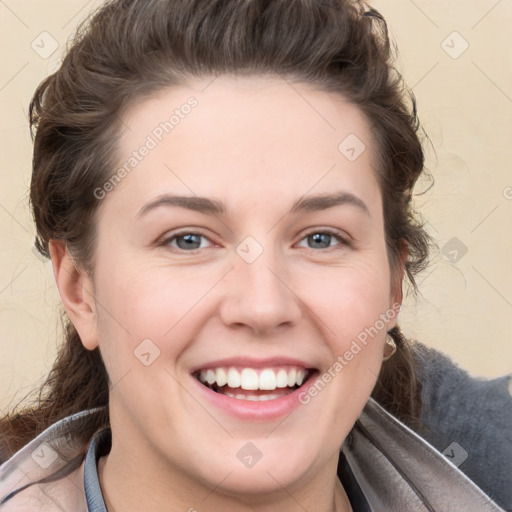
254,384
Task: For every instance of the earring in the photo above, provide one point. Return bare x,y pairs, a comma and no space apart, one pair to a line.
391,345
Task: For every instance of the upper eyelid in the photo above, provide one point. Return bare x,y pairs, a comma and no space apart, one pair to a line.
164,239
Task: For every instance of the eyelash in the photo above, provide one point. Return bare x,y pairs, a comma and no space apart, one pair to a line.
343,242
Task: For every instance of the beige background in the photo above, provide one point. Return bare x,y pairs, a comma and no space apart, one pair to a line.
465,103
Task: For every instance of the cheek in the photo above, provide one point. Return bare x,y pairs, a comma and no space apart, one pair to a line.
137,304
353,305
350,299
350,309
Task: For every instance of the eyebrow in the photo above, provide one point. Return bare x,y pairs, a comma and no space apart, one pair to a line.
210,206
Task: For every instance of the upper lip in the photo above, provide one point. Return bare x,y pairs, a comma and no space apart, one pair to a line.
249,362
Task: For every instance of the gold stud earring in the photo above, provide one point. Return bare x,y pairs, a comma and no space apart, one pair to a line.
390,347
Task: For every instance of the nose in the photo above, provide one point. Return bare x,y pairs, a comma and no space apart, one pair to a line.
260,296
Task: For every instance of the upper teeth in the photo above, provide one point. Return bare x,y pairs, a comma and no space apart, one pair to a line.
252,379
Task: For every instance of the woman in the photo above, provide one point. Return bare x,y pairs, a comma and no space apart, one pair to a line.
224,191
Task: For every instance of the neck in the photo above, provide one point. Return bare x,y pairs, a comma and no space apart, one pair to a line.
121,488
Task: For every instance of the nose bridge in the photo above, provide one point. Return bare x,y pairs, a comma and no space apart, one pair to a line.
259,295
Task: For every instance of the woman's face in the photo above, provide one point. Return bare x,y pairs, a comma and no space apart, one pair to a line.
270,266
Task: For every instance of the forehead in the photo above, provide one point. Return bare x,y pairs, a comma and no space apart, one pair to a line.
243,139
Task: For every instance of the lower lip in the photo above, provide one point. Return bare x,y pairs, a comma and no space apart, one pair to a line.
251,410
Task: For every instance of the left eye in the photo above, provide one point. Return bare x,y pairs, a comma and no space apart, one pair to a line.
322,239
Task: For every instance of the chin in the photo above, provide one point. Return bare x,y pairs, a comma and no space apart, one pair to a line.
262,466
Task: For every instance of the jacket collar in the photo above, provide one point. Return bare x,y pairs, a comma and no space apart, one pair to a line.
398,470
100,445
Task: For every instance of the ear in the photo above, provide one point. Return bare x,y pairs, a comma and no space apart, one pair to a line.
397,280
76,292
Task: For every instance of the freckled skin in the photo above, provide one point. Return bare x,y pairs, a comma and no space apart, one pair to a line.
258,146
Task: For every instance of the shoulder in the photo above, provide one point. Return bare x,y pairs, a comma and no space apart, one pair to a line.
468,419
48,472
396,469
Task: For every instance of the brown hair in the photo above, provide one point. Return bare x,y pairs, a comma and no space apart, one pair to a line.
133,48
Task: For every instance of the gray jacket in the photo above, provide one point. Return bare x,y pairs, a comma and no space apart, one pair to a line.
469,420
